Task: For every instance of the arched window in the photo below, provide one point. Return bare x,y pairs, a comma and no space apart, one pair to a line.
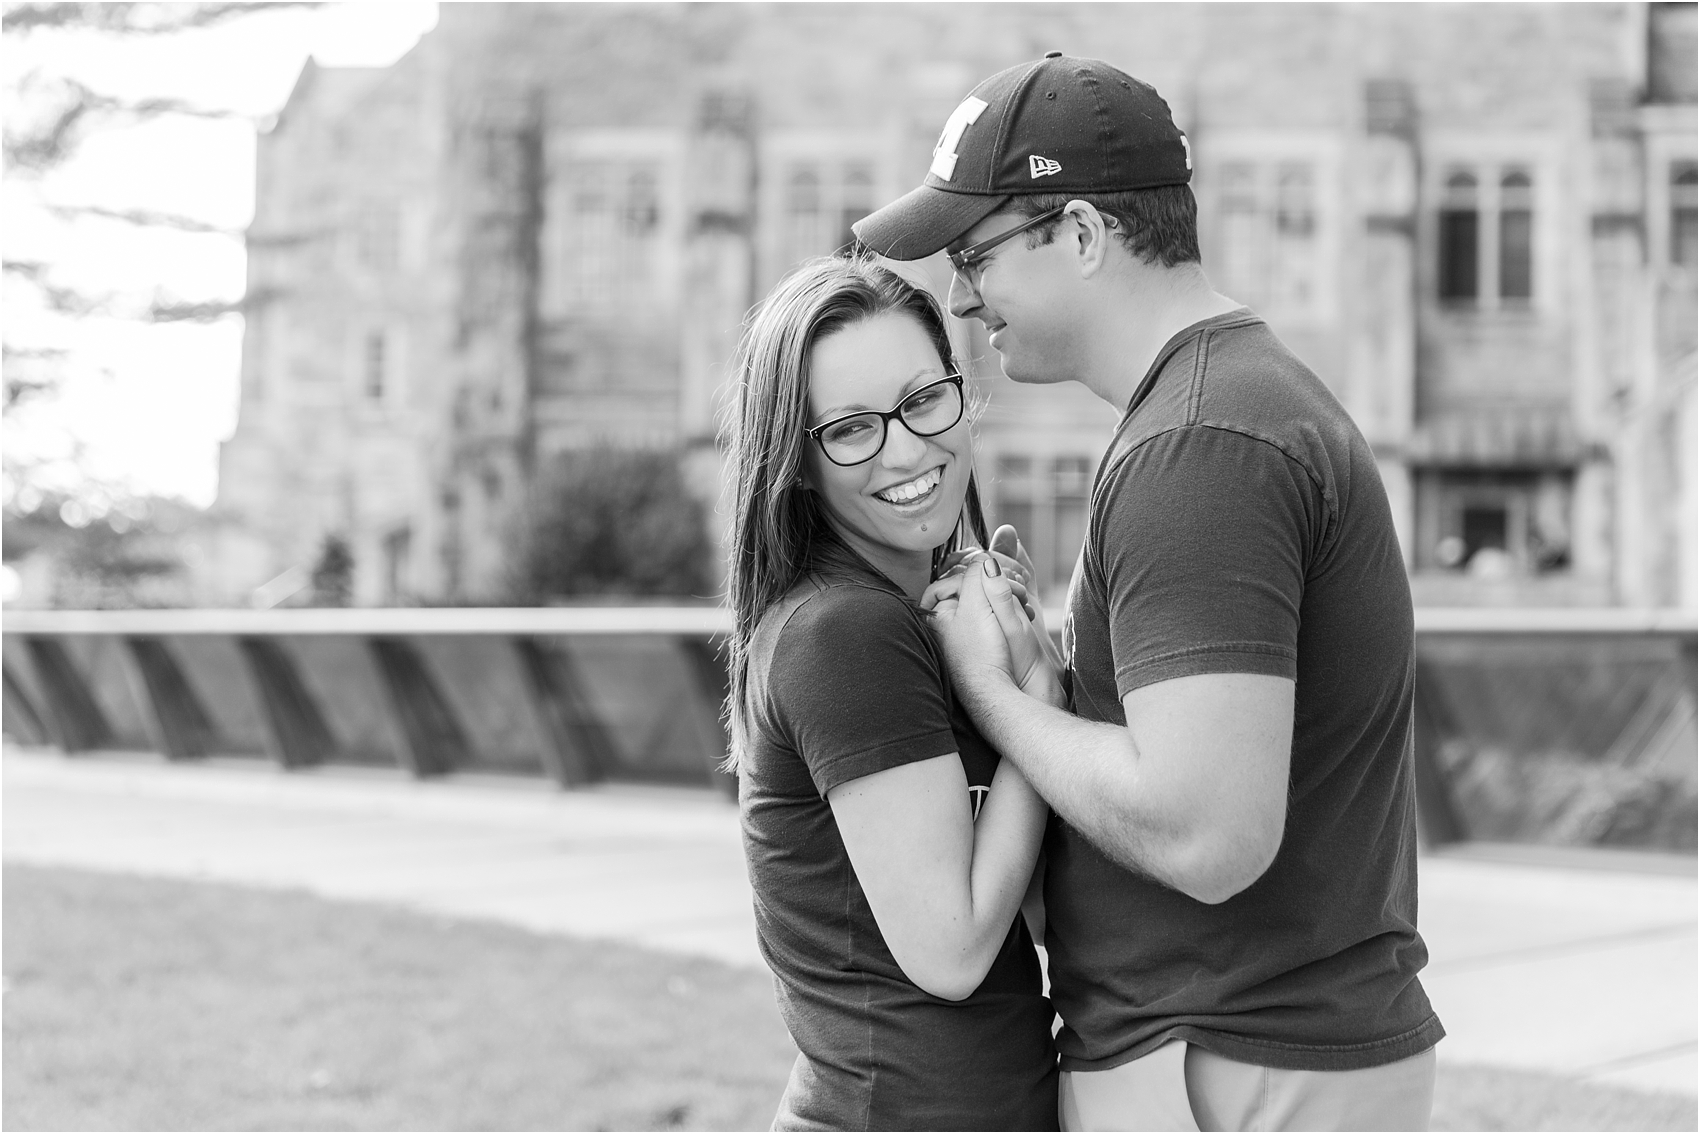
1242,247
802,196
643,204
1516,235
1294,271
1682,214
857,201
1460,222
375,365
821,199
612,231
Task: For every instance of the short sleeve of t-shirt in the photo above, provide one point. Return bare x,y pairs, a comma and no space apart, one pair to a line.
1205,569
856,686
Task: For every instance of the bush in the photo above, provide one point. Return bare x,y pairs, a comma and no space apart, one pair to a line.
612,522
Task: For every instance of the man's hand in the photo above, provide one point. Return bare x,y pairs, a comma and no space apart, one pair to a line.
985,633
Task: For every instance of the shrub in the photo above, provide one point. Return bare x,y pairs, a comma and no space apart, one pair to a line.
609,521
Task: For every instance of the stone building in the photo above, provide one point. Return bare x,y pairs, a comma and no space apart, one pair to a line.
542,228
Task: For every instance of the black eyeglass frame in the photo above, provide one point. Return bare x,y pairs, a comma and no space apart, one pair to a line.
964,260
886,417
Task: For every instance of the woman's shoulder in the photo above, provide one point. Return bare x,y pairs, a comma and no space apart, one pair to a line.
831,608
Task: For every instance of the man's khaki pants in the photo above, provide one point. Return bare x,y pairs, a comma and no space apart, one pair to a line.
1183,1087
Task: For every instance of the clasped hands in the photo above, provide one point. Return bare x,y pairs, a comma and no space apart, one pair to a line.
987,619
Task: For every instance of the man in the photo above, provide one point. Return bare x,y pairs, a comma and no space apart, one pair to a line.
1231,868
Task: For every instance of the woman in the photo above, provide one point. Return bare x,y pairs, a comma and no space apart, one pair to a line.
888,847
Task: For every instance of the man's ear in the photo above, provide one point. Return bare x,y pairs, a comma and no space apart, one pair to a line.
1091,236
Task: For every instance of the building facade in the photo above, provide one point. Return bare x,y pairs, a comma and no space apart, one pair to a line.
542,230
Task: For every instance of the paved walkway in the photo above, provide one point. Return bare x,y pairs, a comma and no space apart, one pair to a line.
1581,965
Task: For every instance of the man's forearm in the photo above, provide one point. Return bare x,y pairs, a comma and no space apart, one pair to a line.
1085,770
1092,774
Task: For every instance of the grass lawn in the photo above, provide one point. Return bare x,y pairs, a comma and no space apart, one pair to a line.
148,1004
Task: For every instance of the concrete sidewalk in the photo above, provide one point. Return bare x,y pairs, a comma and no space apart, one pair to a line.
1582,965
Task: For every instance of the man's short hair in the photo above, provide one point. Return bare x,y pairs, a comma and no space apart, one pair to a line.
1158,225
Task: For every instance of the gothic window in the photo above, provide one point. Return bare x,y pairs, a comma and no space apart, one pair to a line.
1270,235
1071,483
1240,232
857,201
377,237
1295,277
642,203
374,367
612,227
822,199
1486,237
1046,500
1682,214
1460,220
804,214
1516,235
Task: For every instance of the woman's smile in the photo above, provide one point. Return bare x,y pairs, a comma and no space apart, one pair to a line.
909,495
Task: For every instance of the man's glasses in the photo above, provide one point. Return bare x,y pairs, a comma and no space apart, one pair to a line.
967,261
859,437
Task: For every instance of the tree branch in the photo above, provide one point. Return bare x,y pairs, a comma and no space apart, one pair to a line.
145,218
129,19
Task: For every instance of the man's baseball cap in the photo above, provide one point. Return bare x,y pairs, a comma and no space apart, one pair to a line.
1057,125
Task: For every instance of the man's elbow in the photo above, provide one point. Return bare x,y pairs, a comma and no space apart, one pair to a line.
1215,869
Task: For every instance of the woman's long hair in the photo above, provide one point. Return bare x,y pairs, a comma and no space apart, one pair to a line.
779,527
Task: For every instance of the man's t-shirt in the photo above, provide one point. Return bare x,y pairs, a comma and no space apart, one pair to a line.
845,681
1238,525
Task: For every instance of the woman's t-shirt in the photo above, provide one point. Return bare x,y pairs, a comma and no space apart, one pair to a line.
845,681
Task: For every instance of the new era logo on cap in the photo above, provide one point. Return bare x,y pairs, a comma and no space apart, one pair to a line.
1042,166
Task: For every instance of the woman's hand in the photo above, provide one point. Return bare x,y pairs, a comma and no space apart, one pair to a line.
1016,568
1011,556
979,622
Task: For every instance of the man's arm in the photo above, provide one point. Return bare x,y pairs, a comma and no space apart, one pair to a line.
1191,792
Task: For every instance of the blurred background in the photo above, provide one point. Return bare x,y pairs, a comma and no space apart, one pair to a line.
363,361
404,328
406,305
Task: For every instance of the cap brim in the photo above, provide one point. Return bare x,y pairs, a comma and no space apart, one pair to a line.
923,221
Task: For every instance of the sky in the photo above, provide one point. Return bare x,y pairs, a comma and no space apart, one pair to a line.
142,407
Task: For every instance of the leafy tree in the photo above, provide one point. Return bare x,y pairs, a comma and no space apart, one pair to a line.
607,521
124,558
49,117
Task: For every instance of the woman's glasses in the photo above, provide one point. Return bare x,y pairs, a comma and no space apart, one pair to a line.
859,437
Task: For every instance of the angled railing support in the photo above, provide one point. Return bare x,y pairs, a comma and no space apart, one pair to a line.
73,714
433,741
1437,816
22,719
709,673
578,748
296,733
182,727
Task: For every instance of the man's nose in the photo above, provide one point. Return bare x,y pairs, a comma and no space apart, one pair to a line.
964,296
902,448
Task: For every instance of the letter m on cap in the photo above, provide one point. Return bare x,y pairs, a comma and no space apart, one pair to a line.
944,154
1038,167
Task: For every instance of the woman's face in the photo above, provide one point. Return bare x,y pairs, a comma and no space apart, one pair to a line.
905,500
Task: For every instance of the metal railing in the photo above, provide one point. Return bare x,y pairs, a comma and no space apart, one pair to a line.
1569,700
